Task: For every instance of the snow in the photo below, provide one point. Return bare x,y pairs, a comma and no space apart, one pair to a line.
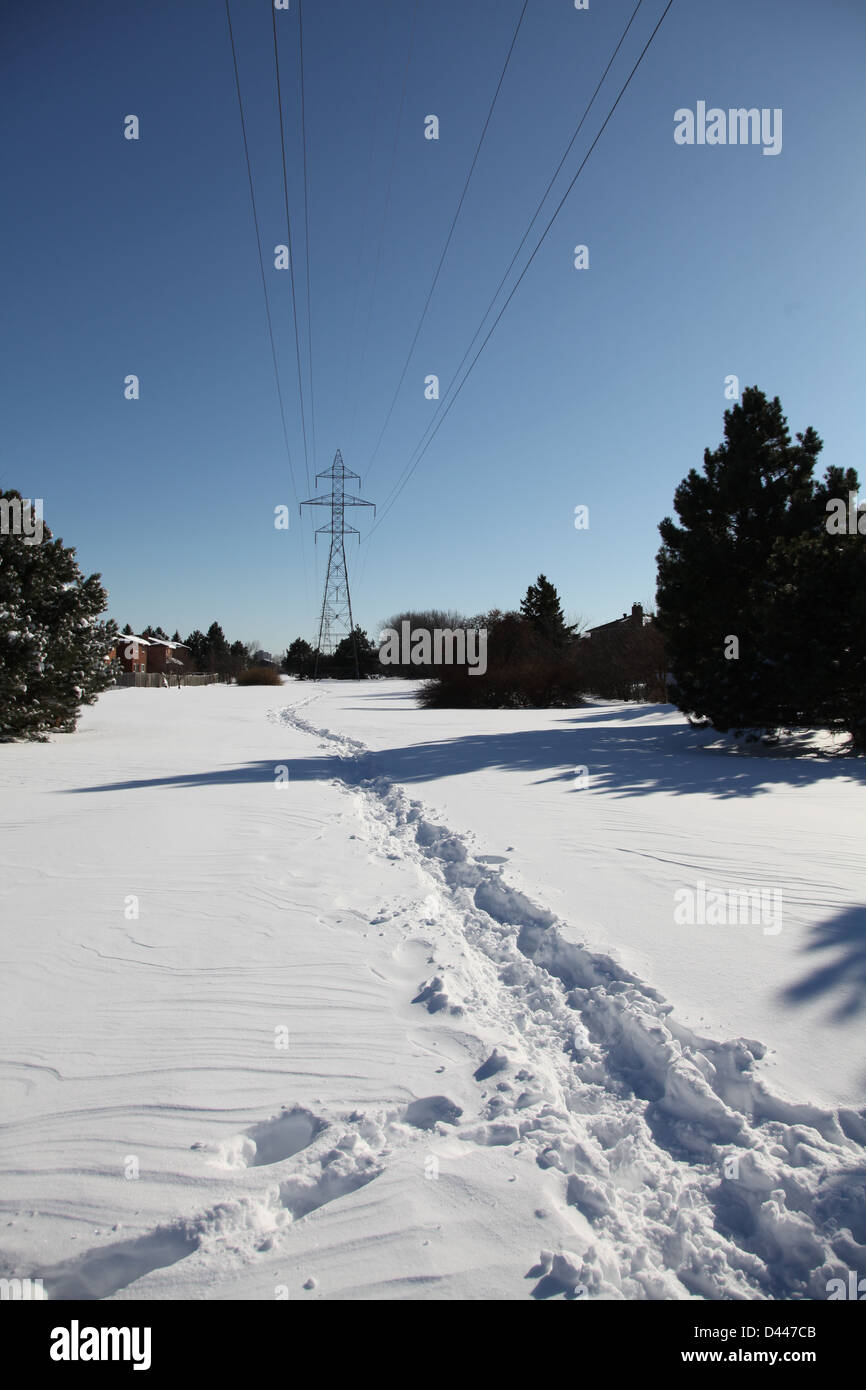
311,993
663,808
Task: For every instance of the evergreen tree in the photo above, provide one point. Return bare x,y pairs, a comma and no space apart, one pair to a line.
238,658
543,611
816,617
53,646
217,648
197,643
357,643
299,659
746,580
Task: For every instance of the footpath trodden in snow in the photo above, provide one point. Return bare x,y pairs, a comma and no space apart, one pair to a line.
604,814
310,993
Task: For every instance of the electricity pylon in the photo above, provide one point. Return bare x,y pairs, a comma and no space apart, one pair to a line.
337,602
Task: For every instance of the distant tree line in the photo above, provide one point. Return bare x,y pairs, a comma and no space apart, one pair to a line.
760,625
534,658
305,662
530,658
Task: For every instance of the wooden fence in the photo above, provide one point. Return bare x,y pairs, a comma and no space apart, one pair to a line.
156,680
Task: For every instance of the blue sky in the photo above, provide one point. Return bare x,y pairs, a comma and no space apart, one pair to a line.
599,387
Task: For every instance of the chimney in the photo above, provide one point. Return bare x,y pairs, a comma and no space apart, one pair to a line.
637,614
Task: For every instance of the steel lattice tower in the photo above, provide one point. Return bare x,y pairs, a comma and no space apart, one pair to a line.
336,621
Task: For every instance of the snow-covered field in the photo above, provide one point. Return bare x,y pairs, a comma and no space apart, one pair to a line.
309,993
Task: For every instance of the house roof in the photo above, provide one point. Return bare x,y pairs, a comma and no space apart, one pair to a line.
124,637
636,618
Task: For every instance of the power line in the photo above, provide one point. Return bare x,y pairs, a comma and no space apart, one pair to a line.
448,238
262,272
400,481
386,206
259,249
307,228
436,425
433,425
350,339
531,223
291,256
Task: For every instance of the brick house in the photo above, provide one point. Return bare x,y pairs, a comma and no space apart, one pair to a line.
132,653
169,658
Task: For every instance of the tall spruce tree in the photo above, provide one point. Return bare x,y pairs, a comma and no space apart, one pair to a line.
749,573
217,649
197,643
54,647
543,611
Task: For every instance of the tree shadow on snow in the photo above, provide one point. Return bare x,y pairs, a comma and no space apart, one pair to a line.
620,761
838,948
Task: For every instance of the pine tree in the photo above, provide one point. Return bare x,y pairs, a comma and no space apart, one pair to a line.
299,659
816,618
746,581
53,647
344,655
542,609
217,648
197,643
238,658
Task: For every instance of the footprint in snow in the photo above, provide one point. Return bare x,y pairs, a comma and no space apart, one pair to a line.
432,995
496,1062
269,1142
432,1110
